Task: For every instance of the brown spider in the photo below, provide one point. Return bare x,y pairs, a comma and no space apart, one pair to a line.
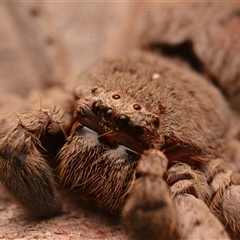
150,142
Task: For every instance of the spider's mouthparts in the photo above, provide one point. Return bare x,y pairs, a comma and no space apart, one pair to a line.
112,136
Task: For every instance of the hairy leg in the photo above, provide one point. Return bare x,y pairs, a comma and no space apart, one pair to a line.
190,192
149,211
24,172
225,184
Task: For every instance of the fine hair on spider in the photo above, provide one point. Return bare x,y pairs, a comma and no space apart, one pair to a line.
53,113
147,142
22,155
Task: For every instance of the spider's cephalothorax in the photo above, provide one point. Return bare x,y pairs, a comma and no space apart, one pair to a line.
148,141
107,140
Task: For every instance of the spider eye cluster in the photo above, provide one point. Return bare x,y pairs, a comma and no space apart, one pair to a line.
121,121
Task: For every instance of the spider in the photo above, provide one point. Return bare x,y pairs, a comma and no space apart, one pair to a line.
148,141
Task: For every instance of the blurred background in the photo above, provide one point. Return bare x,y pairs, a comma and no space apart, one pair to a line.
48,44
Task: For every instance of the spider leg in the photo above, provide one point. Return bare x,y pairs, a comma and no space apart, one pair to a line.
25,174
190,193
225,184
149,211
231,153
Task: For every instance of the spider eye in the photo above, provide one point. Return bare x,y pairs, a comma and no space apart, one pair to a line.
96,107
137,107
109,113
156,122
116,96
123,120
137,129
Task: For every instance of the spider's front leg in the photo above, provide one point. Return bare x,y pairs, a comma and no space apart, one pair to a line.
24,172
149,211
191,194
